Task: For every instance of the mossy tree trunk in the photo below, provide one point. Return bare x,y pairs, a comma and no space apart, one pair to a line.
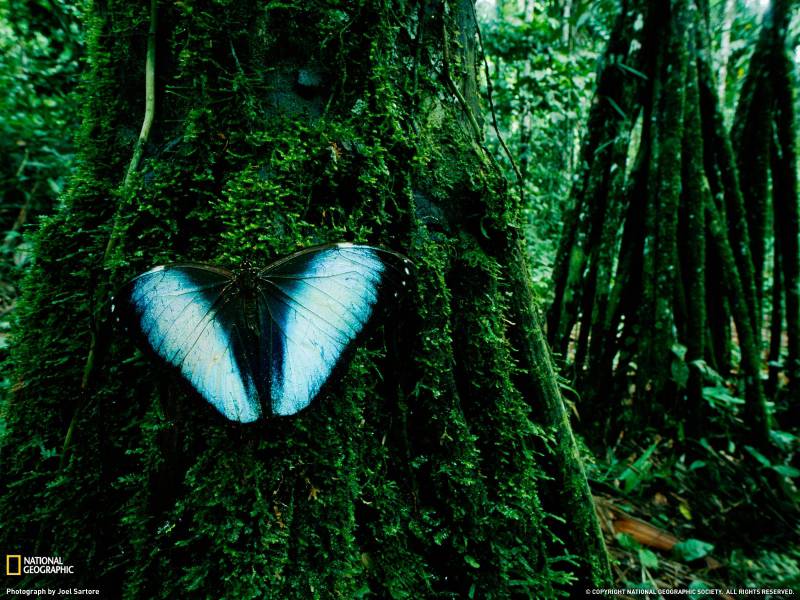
440,464
655,258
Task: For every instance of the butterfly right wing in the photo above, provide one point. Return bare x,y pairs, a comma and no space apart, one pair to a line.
184,315
317,301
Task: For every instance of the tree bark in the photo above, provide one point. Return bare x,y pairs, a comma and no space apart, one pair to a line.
787,221
696,193
663,194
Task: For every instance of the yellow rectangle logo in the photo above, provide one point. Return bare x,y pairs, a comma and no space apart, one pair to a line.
11,559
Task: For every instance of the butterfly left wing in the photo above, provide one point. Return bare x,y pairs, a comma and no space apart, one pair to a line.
317,301
187,315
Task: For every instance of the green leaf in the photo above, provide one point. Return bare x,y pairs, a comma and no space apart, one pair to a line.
719,398
783,439
472,562
763,460
696,584
679,350
786,471
648,558
708,373
632,70
680,372
616,107
692,549
633,475
627,542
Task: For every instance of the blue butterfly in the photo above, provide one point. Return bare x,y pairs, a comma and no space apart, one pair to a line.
264,341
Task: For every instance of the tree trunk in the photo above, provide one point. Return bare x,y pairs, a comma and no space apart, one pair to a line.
424,469
693,227
787,215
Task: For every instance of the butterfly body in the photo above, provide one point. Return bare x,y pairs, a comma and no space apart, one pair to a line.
260,342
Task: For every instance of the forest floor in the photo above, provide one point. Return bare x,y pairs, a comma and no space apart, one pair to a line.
716,523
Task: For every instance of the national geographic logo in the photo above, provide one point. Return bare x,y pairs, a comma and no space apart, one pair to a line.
16,564
13,564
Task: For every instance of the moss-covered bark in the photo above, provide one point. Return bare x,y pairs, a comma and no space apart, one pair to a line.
693,228
660,258
426,469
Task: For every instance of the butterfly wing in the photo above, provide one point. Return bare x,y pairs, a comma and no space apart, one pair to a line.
188,316
315,303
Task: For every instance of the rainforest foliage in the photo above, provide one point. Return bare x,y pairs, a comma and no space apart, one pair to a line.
594,380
